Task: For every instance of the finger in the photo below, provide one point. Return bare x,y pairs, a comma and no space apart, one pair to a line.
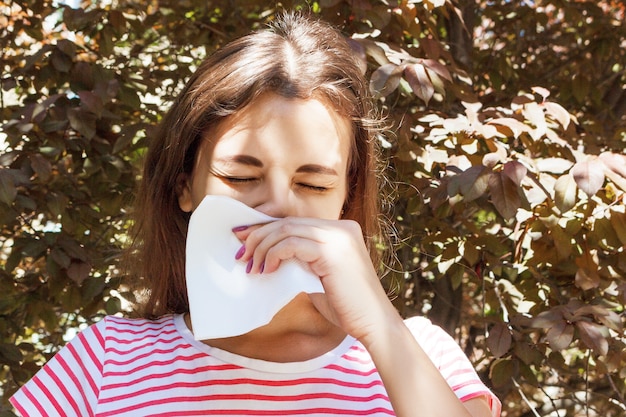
286,234
292,247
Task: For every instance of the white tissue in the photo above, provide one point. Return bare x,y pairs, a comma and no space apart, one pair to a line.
223,299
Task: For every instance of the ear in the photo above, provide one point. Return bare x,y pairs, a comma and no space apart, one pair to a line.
183,191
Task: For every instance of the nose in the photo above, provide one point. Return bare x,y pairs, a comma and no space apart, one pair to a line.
276,199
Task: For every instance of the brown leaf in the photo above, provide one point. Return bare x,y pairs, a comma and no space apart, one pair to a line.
562,242
41,166
419,81
546,319
78,271
589,176
560,335
515,170
499,339
594,336
504,194
91,102
472,183
438,68
618,221
386,79
8,192
586,279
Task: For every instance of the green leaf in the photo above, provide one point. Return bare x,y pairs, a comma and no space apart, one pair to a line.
502,372
113,305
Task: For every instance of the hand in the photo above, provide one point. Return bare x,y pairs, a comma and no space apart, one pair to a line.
335,251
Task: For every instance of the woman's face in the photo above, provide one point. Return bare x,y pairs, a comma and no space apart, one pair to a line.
283,157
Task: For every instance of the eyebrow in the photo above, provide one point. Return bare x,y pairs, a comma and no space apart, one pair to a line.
241,159
316,169
254,162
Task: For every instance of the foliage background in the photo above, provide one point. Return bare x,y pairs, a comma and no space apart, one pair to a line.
506,155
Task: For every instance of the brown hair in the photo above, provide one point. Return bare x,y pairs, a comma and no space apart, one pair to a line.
296,57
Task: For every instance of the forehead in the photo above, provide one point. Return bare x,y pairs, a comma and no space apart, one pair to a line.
275,125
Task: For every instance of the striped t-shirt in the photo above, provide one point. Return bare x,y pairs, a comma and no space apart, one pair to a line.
137,367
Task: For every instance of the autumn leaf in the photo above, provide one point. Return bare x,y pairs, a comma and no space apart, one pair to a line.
515,170
560,335
589,175
594,336
565,193
499,339
586,279
504,194
386,79
618,221
471,183
419,81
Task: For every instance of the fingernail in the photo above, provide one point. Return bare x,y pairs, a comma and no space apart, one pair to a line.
262,268
240,252
239,228
249,266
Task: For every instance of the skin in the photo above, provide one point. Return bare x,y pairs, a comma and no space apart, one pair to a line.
288,158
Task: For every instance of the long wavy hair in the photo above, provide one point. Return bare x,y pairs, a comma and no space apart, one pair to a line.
295,57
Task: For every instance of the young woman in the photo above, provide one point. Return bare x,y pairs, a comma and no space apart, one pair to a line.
280,121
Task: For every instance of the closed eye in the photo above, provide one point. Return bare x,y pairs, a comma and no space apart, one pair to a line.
312,187
239,180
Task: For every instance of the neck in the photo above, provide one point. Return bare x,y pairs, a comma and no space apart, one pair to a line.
298,332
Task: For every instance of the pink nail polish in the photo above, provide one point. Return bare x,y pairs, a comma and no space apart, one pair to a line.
249,266
262,268
239,228
240,252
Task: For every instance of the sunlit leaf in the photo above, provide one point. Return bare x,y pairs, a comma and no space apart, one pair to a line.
558,112
589,176
515,170
553,165
419,81
385,79
565,193
474,182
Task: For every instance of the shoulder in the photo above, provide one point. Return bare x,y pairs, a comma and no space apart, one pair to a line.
429,335
124,330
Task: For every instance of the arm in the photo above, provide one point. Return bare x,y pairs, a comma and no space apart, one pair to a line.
415,386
